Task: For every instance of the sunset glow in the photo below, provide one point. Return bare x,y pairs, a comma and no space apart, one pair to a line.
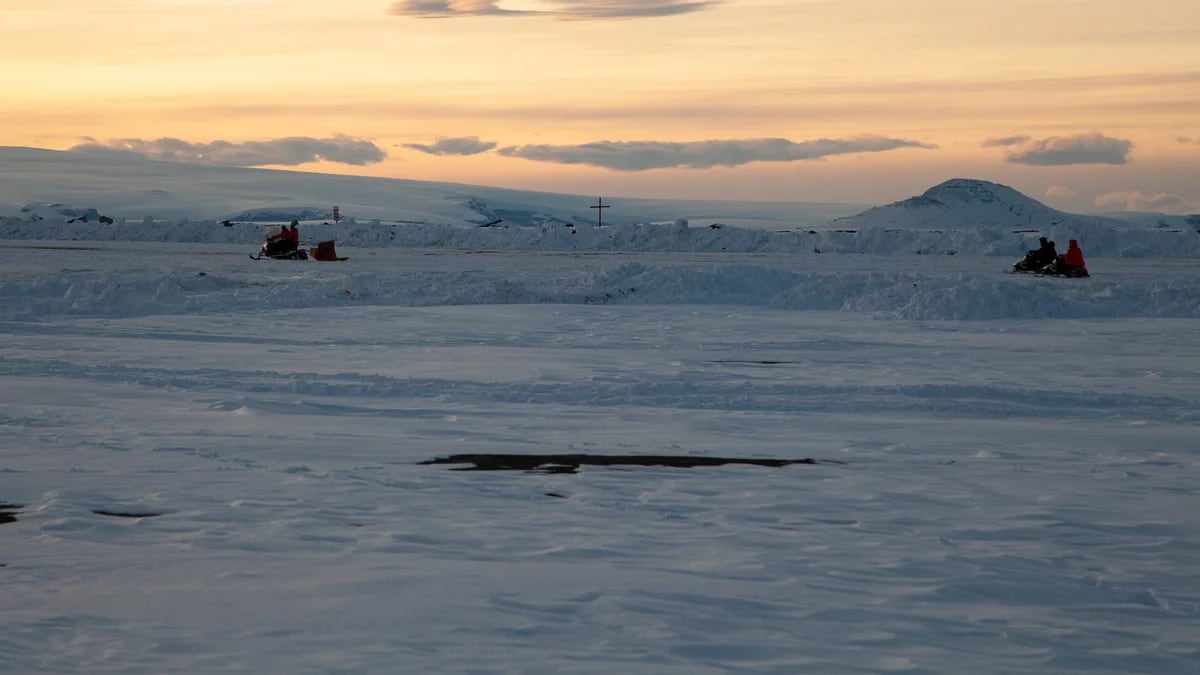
855,101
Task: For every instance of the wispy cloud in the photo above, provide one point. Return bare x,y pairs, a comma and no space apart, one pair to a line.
1091,148
464,145
1005,141
1058,192
557,9
281,151
643,155
1187,141
1139,201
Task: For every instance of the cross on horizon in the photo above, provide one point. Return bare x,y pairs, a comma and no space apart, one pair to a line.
599,206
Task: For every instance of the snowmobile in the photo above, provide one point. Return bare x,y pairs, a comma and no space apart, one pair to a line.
1054,269
324,251
274,252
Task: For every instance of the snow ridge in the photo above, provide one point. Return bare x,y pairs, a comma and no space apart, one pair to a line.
966,202
50,282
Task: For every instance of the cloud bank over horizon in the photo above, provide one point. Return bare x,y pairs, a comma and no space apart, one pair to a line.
1135,200
1060,192
1090,148
556,9
646,155
1005,141
461,145
290,151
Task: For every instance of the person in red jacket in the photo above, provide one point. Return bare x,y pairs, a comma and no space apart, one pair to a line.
1072,263
277,242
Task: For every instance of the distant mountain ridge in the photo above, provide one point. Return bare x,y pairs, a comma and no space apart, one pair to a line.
55,195
133,187
61,185
961,203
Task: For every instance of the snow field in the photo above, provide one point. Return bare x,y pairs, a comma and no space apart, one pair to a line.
1014,493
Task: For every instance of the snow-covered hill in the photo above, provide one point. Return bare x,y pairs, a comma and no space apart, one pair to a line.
964,203
61,196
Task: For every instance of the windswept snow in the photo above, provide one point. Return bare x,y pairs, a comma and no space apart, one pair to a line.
212,464
44,280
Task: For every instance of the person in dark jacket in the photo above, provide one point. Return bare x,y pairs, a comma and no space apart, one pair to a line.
1047,252
293,237
1038,258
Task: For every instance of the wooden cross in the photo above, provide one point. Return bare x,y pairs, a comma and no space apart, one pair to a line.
599,206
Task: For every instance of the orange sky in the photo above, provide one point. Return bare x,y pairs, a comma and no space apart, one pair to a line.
865,100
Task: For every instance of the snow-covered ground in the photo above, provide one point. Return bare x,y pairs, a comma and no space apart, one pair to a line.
213,464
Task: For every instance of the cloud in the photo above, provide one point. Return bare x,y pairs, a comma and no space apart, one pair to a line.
1005,141
1091,148
558,9
643,155
465,145
1140,201
1187,141
281,151
1060,193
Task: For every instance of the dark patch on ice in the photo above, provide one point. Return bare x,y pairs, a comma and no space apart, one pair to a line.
125,514
571,463
753,363
9,511
608,297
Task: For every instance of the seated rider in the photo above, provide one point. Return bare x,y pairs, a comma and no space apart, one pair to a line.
1043,255
293,237
1046,253
1072,263
277,242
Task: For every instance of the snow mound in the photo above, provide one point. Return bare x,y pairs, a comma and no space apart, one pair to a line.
1005,241
965,203
48,281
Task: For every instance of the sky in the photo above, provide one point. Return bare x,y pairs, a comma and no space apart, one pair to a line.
1086,104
